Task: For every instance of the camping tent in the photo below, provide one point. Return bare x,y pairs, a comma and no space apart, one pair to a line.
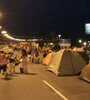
47,59
24,43
85,56
66,62
85,73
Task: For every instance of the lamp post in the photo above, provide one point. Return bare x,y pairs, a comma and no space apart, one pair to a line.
80,41
0,27
85,44
59,36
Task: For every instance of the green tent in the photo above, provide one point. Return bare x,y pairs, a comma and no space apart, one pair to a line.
66,62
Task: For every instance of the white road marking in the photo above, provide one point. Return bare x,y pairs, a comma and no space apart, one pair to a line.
62,96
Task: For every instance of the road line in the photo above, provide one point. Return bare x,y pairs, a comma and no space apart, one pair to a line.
62,96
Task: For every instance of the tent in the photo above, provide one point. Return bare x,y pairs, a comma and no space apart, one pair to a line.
66,62
85,56
85,73
47,59
24,43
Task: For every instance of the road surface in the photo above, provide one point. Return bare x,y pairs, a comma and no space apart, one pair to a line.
40,84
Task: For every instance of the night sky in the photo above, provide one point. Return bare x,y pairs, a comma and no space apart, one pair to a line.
28,17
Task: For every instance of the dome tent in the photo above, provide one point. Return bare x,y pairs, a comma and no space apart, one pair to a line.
47,59
85,73
66,62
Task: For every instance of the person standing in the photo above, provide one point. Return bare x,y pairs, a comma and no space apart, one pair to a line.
24,61
3,63
11,66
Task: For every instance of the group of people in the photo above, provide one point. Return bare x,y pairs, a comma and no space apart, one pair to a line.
20,56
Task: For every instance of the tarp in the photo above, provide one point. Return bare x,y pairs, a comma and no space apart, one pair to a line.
66,62
47,59
24,43
85,73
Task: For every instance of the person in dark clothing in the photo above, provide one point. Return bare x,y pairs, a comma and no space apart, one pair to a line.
24,53
45,54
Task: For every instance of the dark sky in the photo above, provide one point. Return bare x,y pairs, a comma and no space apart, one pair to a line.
28,17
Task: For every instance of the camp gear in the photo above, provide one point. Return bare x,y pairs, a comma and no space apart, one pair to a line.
66,62
85,73
47,59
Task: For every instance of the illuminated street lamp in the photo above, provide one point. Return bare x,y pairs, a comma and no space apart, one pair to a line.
4,32
84,43
59,36
80,41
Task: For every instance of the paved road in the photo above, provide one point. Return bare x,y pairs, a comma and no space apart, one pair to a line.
40,84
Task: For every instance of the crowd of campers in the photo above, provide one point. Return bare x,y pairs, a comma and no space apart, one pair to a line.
61,62
13,55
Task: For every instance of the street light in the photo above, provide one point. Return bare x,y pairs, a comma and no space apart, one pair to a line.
84,43
80,41
4,32
59,36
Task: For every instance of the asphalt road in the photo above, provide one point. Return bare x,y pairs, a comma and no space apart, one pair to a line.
40,84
